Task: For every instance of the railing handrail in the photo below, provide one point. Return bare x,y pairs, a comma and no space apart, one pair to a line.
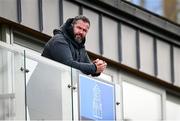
7,96
11,48
33,56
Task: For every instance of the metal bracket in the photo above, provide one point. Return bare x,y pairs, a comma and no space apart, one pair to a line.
117,103
70,86
22,69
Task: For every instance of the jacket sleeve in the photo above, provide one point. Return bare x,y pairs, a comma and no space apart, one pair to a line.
87,60
61,52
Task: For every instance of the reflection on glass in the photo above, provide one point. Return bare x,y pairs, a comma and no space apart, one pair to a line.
46,89
7,107
31,65
106,77
6,101
12,106
155,6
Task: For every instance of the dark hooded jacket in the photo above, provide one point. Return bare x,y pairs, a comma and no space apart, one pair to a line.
63,48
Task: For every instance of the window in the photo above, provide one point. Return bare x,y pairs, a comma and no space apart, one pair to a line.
155,6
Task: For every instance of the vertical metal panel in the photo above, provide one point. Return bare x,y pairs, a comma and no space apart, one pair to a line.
146,53
30,14
176,65
70,10
172,63
81,10
60,12
155,57
25,82
19,11
1,33
50,15
110,38
8,9
164,61
92,39
138,50
119,43
40,15
128,35
100,35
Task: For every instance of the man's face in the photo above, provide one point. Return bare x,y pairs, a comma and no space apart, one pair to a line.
80,29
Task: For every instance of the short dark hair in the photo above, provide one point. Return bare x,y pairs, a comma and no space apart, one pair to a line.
81,17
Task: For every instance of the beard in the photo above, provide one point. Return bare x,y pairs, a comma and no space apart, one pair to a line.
78,38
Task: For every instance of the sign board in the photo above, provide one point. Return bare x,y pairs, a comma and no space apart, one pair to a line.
96,99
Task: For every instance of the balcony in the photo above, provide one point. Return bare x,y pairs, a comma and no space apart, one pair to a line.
35,88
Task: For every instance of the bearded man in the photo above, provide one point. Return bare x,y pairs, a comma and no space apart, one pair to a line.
67,46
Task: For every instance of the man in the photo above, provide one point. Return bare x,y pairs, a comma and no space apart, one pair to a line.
67,47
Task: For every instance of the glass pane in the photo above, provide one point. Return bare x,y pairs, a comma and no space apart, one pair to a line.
146,53
48,95
50,21
106,77
7,107
30,14
177,65
12,90
128,46
70,10
6,71
8,9
155,6
19,86
140,103
163,56
6,85
161,7
172,108
92,39
110,43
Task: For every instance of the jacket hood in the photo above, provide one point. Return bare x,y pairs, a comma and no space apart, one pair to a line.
67,30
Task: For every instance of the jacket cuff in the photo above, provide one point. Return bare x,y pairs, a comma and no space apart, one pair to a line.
95,74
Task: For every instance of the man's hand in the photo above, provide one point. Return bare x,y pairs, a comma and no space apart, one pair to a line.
100,65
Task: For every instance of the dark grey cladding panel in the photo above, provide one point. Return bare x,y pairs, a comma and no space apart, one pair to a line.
111,2
174,28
